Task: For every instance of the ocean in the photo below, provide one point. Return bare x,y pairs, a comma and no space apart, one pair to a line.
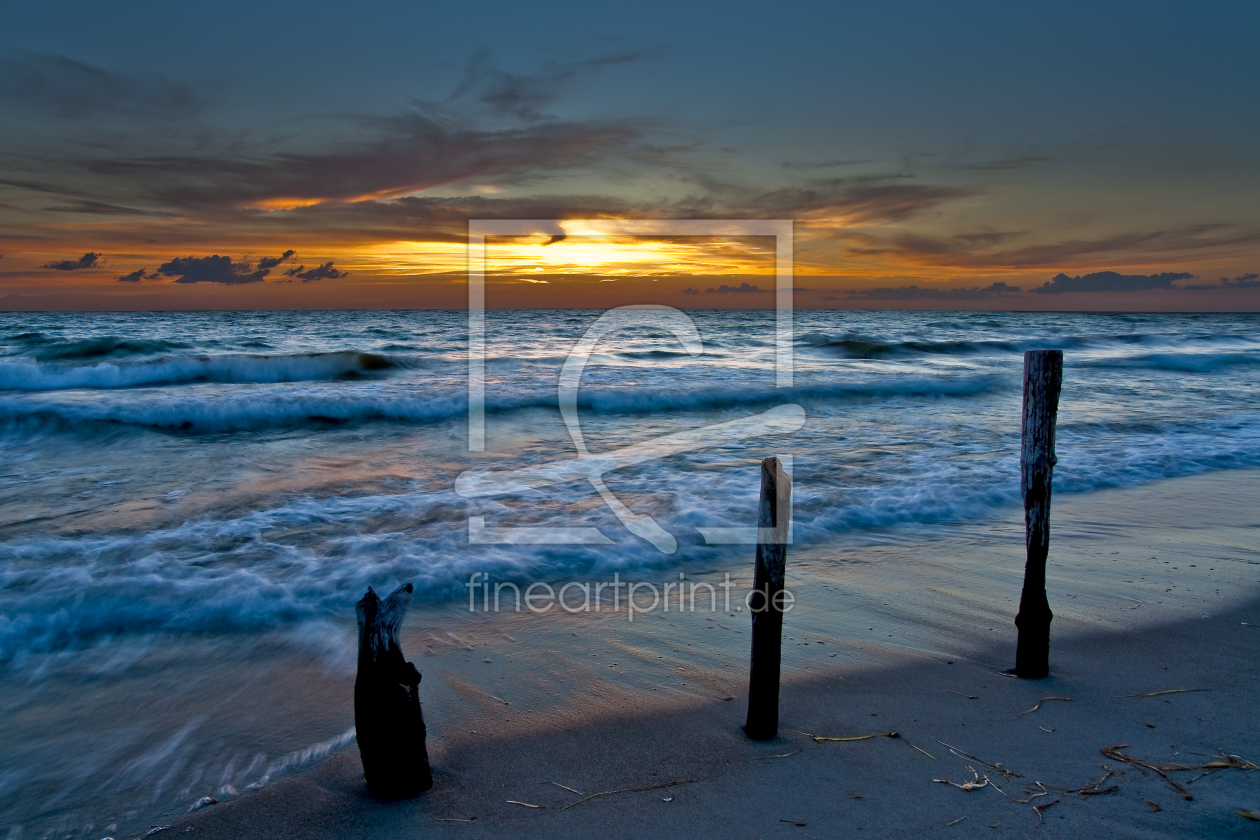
176,485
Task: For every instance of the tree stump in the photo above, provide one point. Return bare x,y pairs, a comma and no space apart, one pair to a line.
766,601
1043,378
387,716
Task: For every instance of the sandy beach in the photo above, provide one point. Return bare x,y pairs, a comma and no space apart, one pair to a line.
1154,641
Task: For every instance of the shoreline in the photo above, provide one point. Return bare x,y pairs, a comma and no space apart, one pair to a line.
518,706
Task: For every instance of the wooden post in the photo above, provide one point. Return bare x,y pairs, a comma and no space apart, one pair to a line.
766,602
1043,377
387,717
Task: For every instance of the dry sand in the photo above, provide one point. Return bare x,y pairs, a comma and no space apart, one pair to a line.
1154,589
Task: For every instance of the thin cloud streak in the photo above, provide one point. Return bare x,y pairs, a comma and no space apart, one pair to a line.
68,88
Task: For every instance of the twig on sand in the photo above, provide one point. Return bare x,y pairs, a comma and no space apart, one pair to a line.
998,767
1038,706
566,787
1044,792
821,738
1167,691
526,804
920,749
960,694
629,790
957,821
780,755
1227,761
889,734
1096,788
1040,808
454,819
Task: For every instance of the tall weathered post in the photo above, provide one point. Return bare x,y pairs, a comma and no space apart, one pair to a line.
766,602
1043,378
387,717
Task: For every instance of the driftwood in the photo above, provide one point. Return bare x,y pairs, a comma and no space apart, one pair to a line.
1043,378
766,602
387,716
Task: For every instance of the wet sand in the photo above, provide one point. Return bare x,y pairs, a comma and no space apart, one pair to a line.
1154,589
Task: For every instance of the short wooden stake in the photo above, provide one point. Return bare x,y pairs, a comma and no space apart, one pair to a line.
766,602
387,716
1043,378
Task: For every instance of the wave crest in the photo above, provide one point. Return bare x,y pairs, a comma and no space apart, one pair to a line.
31,375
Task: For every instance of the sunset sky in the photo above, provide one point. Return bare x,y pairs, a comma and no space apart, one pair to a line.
324,155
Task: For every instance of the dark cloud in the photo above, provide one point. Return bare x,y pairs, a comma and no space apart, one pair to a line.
413,151
71,88
213,269
690,291
491,129
272,262
137,276
850,200
556,237
1110,281
962,252
319,272
1243,281
88,260
741,289
998,289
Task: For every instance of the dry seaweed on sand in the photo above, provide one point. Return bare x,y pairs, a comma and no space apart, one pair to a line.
566,787
778,755
1115,754
1227,761
1038,706
526,804
975,784
1167,691
454,819
629,790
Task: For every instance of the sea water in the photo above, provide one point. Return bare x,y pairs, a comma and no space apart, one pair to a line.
176,484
